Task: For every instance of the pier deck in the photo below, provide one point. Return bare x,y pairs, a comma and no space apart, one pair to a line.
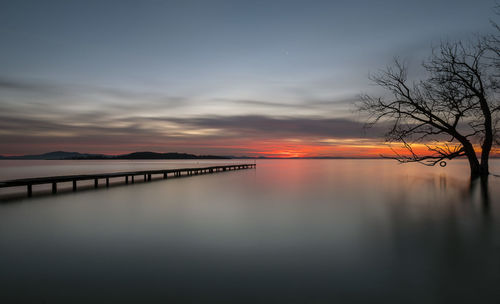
129,176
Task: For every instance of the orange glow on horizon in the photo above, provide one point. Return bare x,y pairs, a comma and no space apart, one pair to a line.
274,148
292,149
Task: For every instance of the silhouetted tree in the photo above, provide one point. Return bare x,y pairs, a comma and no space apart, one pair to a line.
454,111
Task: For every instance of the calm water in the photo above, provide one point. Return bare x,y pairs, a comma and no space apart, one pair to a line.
304,231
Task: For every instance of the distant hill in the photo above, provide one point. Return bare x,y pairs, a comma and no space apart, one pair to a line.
136,155
50,155
171,155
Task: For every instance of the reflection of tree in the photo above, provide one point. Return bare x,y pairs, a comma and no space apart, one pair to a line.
449,251
451,111
484,193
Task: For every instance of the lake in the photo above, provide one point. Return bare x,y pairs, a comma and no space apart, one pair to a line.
290,231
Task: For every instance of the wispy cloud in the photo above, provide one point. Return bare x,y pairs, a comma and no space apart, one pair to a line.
256,125
306,104
27,86
111,119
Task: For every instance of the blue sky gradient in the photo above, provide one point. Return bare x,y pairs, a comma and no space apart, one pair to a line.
154,68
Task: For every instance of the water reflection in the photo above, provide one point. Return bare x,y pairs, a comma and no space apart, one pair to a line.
484,193
452,254
291,231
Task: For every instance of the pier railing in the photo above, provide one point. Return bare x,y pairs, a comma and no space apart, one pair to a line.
129,176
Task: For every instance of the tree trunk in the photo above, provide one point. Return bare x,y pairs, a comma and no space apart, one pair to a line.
475,167
488,137
484,170
485,154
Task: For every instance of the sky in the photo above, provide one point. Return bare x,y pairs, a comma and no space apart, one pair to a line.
254,78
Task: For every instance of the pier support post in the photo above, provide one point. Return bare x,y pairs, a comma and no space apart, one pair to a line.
74,185
96,183
132,179
107,181
30,190
144,177
126,179
54,187
165,175
149,177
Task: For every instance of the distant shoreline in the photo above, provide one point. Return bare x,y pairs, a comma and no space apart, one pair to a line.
61,155
215,158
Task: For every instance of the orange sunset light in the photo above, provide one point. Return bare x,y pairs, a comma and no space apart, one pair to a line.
303,148
287,149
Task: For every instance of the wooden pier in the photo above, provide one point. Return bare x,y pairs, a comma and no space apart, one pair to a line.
128,176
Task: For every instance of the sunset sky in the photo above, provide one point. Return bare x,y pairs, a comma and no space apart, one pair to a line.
255,78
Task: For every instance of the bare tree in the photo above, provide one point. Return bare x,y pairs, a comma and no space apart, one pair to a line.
454,112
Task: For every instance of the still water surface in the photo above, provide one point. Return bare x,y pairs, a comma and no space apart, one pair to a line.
291,231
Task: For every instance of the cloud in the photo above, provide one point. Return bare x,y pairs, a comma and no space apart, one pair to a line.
260,103
306,104
101,119
38,97
31,86
255,125
58,95
174,132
